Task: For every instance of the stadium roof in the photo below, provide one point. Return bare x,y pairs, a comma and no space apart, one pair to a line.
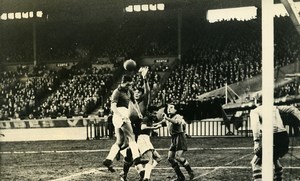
97,10
81,5
100,5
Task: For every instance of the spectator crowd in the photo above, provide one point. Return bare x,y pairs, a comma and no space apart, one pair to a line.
212,57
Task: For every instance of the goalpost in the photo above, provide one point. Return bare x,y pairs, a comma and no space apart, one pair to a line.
267,88
268,79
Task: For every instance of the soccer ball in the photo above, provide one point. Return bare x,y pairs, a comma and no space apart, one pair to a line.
129,65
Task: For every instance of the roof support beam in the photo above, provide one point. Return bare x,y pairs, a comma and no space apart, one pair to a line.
293,12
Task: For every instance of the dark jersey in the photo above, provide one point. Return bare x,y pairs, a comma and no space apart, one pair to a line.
149,123
142,103
122,96
178,127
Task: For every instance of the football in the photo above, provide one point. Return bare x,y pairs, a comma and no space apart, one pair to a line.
129,65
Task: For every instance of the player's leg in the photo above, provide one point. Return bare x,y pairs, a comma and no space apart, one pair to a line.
146,149
183,161
115,148
278,171
126,165
123,147
181,147
175,165
256,168
128,162
128,132
156,158
149,166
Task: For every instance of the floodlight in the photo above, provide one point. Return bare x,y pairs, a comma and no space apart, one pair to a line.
137,8
24,14
18,15
11,16
129,8
161,7
39,14
31,14
4,16
145,7
152,7
240,13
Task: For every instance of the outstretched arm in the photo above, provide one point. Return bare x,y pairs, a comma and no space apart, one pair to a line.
153,127
160,122
175,120
290,110
255,124
144,73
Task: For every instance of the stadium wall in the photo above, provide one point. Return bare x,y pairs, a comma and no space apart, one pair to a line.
99,128
50,123
48,129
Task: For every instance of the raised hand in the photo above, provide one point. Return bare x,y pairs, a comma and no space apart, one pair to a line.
144,71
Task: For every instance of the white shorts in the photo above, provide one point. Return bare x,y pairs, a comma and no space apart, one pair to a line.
144,143
117,120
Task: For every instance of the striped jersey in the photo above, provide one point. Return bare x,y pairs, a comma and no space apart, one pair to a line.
256,121
178,127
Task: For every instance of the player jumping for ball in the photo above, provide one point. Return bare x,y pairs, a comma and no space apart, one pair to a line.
120,100
142,96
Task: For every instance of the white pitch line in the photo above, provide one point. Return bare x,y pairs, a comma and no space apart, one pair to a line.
102,169
217,168
54,151
106,150
71,177
200,168
229,163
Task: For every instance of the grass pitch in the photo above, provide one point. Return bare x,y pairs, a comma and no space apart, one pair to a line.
211,159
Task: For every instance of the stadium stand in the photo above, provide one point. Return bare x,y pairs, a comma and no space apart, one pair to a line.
211,57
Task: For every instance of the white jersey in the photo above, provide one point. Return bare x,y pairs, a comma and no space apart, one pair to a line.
256,122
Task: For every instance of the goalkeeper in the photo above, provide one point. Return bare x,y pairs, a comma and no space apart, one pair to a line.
280,138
